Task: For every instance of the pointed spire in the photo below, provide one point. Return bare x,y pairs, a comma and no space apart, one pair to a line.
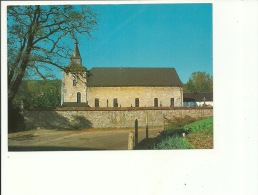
76,57
76,53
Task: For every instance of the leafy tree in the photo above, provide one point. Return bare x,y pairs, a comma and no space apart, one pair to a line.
38,38
199,82
39,93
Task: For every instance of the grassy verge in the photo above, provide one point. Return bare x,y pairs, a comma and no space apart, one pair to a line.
173,142
201,140
199,135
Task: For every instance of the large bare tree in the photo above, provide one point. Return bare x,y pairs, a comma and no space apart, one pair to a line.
38,37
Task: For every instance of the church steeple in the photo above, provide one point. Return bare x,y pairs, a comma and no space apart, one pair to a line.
76,57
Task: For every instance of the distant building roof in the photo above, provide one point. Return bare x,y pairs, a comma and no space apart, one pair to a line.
119,77
197,96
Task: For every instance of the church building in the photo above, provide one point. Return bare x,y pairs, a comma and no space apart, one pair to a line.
119,87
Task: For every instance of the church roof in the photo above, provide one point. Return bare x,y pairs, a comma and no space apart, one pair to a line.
197,96
122,77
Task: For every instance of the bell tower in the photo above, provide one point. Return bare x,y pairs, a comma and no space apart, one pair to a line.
74,80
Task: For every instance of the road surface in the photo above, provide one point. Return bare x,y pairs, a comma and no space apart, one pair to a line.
90,139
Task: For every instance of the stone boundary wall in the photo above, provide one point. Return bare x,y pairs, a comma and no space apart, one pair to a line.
123,118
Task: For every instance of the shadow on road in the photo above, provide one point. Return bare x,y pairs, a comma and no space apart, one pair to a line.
146,144
24,137
47,148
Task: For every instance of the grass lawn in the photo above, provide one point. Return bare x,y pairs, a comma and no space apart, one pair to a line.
201,139
198,135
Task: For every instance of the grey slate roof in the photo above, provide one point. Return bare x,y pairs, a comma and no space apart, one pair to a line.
123,77
197,96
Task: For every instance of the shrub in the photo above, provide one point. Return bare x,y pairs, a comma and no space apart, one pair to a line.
205,124
174,142
178,122
15,119
173,131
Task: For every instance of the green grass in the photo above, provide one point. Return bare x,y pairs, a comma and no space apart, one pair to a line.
174,142
172,137
205,124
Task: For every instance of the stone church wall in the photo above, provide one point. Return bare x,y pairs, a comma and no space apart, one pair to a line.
126,96
83,119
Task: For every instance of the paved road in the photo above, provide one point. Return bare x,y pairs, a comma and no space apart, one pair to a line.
53,140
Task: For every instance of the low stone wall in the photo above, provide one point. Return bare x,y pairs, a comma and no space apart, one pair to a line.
123,118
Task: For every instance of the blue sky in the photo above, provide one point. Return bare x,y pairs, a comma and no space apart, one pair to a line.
151,35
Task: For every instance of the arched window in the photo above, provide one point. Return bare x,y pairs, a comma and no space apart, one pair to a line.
137,102
96,102
156,102
172,102
115,102
78,97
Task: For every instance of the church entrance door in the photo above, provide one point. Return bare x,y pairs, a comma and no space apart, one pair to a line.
78,97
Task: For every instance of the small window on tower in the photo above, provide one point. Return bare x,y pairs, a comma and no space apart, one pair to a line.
78,97
74,82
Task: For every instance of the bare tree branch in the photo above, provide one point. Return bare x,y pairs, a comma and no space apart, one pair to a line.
38,33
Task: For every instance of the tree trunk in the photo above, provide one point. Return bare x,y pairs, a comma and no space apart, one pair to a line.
14,85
